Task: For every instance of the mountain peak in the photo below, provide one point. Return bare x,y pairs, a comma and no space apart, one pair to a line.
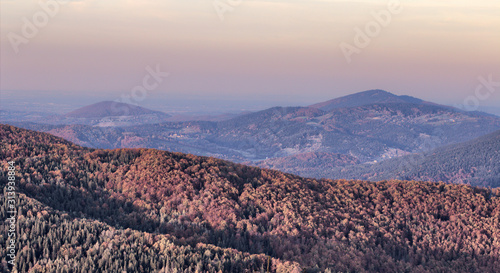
365,98
110,109
376,92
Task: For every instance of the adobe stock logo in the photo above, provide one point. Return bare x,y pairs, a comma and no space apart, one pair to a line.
150,82
227,6
40,19
472,102
372,29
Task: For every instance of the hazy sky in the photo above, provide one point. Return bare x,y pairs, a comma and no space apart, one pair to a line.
276,50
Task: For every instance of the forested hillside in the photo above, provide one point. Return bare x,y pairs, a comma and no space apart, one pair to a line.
366,98
308,164
476,162
148,210
376,131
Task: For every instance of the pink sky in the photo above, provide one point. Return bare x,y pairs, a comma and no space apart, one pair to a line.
435,51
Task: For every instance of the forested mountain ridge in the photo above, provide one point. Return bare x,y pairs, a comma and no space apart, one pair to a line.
53,241
366,98
340,138
475,162
240,213
72,222
101,114
369,132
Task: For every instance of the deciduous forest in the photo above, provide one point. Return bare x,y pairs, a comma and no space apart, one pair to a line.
144,210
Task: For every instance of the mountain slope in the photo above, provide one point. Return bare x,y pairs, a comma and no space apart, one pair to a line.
365,98
206,203
369,133
476,162
308,163
111,109
73,244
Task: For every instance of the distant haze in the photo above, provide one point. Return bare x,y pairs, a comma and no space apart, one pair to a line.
264,52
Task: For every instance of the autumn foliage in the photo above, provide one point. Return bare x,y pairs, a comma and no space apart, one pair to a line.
153,211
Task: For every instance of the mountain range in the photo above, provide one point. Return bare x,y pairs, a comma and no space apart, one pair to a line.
317,141
145,210
108,114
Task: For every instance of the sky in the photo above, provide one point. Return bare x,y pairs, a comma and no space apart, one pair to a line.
260,52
